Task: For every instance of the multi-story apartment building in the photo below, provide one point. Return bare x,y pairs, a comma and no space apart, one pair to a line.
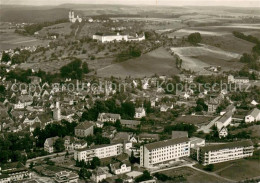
162,151
100,151
225,152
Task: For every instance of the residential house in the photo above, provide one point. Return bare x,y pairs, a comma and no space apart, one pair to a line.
222,130
71,143
109,132
49,144
23,101
147,137
108,117
98,175
253,116
84,129
140,112
120,167
166,107
66,177
214,102
254,103
130,123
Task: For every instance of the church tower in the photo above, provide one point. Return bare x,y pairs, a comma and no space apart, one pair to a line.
57,112
71,16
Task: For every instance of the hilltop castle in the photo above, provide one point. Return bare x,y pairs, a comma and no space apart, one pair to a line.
72,17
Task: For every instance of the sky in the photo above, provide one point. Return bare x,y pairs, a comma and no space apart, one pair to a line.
236,3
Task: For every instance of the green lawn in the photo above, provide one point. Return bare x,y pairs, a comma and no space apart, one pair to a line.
238,169
192,176
242,169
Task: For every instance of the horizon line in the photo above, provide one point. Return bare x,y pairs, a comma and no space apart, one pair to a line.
33,5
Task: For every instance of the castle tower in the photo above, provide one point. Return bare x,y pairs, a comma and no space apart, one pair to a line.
70,16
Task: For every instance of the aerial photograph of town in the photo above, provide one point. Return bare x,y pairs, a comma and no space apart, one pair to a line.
130,91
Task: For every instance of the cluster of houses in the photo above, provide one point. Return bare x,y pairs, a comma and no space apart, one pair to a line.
23,110
12,52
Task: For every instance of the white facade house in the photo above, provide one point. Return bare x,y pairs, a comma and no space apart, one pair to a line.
165,107
120,168
223,122
49,144
222,130
163,151
72,143
108,117
140,112
110,38
254,103
253,116
100,151
238,80
98,175
117,37
218,153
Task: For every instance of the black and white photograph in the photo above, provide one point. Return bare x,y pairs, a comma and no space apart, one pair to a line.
129,91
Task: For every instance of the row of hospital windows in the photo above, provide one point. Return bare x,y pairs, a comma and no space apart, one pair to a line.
171,156
171,147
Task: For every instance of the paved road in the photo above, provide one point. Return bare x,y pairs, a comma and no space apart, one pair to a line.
169,168
206,129
47,156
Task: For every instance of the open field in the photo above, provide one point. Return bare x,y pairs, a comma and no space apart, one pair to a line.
220,30
61,29
192,176
11,40
196,58
158,62
237,170
47,66
228,43
241,170
196,120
